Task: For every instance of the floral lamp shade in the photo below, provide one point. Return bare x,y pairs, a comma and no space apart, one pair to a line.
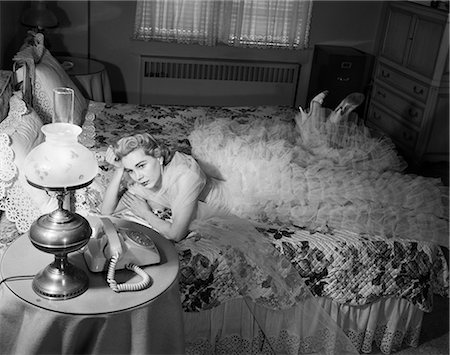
60,162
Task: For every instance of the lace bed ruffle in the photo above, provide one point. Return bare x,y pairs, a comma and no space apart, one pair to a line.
386,339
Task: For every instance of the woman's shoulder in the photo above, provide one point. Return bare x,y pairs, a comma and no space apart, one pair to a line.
182,163
183,159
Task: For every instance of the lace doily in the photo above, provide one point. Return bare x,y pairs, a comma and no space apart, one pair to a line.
14,200
17,108
8,170
87,136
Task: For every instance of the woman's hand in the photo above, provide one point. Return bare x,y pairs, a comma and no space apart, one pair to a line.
138,190
137,205
111,158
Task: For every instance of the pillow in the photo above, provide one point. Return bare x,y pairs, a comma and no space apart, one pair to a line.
5,92
45,74
49,74
20,132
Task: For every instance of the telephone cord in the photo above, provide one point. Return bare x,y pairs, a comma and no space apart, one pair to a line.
110,278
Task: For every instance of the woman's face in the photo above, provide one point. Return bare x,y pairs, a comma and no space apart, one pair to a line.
143,168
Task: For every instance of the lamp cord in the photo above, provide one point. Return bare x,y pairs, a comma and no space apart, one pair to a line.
17,278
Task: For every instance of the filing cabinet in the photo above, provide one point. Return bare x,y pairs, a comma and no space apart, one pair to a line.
341,70
409,101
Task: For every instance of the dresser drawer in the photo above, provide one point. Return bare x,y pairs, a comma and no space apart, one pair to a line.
407,109
402,82
401,134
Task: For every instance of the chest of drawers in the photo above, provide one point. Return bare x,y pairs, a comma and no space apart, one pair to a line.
409,99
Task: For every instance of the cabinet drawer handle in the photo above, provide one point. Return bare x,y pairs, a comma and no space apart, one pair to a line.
382,94
407,136
418,91
376,116
413,113
385,74
340,78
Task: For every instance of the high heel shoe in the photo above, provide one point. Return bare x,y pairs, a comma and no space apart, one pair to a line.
346,106
314,106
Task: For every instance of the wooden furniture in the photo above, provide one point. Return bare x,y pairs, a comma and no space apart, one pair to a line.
409,100
90,76
99,321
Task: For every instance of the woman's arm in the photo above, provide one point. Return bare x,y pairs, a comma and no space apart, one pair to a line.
111,198
182,213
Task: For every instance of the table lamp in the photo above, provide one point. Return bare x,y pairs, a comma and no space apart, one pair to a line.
39,17
60,164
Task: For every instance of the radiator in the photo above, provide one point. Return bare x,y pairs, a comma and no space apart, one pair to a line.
210,82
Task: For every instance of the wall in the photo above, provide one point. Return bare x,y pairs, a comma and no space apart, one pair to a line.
334,22
103,30
11,32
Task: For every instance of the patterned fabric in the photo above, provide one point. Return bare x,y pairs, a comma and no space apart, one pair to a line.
346,267
349,268
170,125
5,92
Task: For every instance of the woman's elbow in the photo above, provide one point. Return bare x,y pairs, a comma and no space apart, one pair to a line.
176,236
106,210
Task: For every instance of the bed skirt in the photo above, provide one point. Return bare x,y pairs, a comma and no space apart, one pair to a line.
230,328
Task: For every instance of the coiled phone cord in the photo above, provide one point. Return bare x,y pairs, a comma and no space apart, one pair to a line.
110,278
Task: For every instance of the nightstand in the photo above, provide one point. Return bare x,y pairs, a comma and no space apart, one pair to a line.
90,76
99,321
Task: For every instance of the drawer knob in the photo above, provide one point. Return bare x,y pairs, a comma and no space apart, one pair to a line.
385,74
407,136
418,91
382,94
413,113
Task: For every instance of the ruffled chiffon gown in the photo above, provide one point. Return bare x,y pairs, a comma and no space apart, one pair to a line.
319,174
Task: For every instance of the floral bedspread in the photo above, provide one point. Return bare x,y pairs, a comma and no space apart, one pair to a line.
349,268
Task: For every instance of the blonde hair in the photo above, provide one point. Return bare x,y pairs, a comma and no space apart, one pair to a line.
126,145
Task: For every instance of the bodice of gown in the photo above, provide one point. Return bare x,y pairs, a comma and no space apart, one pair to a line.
183,170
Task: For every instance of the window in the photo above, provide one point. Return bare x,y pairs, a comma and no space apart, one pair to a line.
252,23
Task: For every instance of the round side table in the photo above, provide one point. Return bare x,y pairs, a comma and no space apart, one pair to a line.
99,320
90,76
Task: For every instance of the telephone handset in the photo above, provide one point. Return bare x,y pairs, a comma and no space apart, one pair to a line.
111,249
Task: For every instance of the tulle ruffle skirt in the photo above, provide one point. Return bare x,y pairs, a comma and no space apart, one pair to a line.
319,175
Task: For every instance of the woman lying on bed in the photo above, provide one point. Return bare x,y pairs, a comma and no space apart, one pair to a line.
148,176
294,183
160,179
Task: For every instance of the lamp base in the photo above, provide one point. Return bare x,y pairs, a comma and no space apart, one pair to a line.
60,280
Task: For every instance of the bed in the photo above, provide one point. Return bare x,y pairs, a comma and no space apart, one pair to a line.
375,288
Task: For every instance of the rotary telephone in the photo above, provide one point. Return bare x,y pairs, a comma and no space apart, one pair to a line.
111,249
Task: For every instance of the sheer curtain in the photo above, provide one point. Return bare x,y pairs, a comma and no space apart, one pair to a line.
251,23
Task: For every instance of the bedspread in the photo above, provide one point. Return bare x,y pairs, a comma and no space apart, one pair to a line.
347,267
343,266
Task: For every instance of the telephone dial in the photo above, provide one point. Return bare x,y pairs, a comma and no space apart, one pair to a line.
111,249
